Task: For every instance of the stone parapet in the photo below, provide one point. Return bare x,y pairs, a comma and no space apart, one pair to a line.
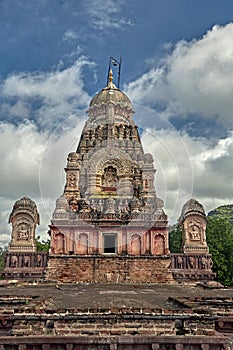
25,265
192,267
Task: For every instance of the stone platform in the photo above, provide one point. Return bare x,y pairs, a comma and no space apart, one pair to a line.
115,317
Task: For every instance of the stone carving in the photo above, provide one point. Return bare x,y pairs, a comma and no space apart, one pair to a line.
109,178
194,229
14,261
26,261
23,232
72,180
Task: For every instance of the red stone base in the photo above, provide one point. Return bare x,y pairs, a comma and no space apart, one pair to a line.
112,269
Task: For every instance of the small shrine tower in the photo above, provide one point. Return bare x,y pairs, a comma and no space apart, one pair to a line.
22,261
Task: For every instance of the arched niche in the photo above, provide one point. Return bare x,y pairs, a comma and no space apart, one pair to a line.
83,244
59,243
135,244
109,179
159,245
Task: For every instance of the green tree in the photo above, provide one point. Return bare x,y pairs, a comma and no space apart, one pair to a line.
42,246
2,258
175,239
219,236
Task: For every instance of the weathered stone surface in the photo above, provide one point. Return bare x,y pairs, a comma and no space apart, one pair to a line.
142,316
115,269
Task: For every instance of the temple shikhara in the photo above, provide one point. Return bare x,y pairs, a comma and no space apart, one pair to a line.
109,280
109,205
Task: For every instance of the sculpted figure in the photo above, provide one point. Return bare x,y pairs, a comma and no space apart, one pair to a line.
14,261
110,177
179,262
38,261
23,232
26,261
204,263
192,262
194,231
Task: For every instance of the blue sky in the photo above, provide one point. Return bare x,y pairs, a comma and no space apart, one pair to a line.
177,69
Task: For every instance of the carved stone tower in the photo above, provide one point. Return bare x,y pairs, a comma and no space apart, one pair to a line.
109,206
193,222
22,261
24,218
195,264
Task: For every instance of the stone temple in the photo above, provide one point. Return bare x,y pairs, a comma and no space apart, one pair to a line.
109,281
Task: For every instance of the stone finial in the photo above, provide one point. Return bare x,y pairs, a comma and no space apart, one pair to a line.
110,76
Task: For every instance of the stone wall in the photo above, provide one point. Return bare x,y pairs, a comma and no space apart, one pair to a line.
114,269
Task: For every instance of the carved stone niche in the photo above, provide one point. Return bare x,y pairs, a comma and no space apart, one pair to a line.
24,218
193,222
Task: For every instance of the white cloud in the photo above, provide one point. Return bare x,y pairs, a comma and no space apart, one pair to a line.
70,35
46,97
106,14
190,167
33,151
32,164
195,78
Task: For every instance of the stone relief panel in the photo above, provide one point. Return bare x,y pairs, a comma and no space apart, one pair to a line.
23,232
109,177
195,230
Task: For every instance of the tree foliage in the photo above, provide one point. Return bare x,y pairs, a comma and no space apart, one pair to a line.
42,246
219,236
175,240
2,258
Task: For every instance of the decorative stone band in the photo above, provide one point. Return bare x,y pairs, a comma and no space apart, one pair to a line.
25,265
192,267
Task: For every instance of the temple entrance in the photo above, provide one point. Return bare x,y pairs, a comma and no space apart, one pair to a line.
110,240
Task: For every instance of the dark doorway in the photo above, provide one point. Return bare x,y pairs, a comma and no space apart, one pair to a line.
109,243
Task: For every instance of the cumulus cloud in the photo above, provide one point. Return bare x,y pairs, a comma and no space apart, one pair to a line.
32,164
46,97
35,144
190,167
194,78
106,14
